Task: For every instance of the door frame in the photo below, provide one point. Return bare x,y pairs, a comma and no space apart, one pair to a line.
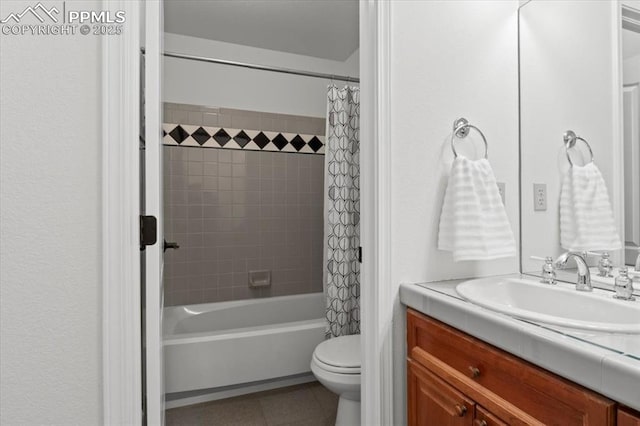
377,296
121,311
153,369
122,367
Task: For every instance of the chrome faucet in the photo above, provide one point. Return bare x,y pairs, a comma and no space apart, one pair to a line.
584,276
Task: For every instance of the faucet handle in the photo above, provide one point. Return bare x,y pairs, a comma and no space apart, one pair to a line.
623,285
605,266
548,270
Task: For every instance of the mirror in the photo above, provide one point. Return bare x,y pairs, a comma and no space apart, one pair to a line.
631,128
579,71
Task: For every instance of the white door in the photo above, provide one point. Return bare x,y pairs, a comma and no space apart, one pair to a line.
153,205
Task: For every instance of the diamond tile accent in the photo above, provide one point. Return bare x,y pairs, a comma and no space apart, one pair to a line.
280,141
222,137
261,140
201,136
217,137
179,134
315,144
298,143
242,139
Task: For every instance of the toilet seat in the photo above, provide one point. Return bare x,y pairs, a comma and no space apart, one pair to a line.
339,355
335,369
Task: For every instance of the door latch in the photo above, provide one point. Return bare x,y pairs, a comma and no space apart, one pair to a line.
148,231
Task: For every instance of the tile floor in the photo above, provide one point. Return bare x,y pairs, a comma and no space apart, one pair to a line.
309,404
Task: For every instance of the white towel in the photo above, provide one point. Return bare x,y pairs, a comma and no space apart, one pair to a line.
586,217
473,222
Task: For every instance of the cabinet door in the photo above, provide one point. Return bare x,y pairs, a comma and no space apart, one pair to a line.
480,370
485,418
627,418
432,402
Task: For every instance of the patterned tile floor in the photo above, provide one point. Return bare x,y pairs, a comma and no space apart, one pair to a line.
309,404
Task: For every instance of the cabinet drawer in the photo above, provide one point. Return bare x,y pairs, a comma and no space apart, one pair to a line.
626,417
485,418
433,402
543,395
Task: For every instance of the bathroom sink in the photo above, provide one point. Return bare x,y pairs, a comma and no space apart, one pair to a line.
553,304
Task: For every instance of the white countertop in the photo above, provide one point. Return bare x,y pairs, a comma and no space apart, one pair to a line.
608,363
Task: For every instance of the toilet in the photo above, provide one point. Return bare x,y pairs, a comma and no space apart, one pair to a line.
336,364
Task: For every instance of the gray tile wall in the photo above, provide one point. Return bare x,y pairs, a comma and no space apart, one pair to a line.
235,211
196,115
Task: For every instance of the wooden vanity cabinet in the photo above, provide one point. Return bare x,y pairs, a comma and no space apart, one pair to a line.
448,370
628,417
435,402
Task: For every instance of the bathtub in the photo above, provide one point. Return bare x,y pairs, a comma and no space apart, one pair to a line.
214,345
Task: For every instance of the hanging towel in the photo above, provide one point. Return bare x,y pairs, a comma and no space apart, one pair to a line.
586,217
473,222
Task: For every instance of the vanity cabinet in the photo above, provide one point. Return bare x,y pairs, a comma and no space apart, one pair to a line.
456,379
436,402
626,417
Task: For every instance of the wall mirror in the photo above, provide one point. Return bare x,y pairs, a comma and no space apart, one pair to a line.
579,71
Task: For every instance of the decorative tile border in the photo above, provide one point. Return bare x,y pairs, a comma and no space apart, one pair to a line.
228,138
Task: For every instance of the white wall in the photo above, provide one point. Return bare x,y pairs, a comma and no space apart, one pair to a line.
448,60
50,297
567,82
464,68
210,84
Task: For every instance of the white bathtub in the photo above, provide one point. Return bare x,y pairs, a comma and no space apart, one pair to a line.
230,343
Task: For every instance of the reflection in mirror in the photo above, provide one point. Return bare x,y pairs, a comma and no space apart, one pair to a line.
631,129
570,79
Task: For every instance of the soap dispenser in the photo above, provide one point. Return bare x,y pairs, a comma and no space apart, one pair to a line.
623,285
548,271
605,266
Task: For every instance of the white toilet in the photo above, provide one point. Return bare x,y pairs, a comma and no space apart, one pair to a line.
336,364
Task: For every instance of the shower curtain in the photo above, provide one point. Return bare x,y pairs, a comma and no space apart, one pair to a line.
342,211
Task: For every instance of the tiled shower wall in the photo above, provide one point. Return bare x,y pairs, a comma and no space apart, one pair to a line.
234,211
197,115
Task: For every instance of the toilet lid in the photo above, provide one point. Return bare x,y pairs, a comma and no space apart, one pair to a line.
342,352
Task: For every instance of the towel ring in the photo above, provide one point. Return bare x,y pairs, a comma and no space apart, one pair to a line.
570,138
461,130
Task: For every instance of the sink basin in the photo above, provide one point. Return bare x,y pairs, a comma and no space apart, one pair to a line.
553,304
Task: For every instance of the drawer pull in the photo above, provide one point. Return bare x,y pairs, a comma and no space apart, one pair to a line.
475,371
461,410
478,422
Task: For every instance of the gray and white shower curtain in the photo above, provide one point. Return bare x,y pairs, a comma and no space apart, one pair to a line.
342,211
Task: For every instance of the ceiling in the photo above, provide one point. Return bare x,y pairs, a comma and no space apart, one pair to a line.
321,28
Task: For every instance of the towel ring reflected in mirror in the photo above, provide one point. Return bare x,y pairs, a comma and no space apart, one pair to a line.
461,129
570,139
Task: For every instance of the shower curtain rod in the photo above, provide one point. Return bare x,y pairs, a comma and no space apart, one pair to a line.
259,67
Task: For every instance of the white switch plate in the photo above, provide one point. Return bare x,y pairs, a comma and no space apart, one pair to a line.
539,196
501,187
